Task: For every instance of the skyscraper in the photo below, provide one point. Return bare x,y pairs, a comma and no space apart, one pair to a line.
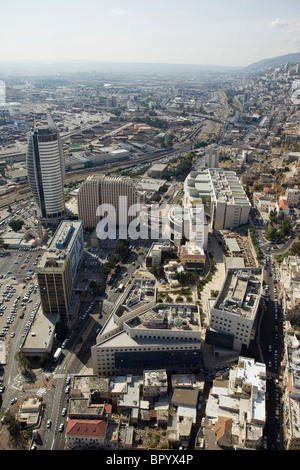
100,189
46,170
57,269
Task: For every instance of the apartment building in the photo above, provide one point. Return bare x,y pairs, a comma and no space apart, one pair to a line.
236,406
142,333
97,190
291,388
290,283
292,196
232,315
222,195
57,269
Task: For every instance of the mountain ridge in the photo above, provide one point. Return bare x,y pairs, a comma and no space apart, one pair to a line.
293,58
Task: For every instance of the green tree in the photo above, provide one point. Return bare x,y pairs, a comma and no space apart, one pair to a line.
12,423
16,224
157,270
22,361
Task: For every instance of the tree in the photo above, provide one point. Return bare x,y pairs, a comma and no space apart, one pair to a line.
122,247
12,423
23,361
157,270
16,224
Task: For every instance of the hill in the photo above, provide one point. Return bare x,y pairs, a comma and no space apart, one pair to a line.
293,58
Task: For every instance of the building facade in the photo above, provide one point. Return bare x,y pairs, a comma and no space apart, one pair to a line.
57,269
222,195
99,190
143,333
46,170
232,316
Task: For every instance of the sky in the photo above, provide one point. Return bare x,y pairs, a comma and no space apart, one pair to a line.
228,32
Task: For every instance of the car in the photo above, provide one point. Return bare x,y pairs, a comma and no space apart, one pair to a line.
2,388
64,411
48,424
68,381
270,364
67,389
13,400
61,427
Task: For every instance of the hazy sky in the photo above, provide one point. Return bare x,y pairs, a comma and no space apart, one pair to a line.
228,32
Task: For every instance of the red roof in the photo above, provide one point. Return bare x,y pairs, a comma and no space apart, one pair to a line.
87,427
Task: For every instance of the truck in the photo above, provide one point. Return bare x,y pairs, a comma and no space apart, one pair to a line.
57,354
121,287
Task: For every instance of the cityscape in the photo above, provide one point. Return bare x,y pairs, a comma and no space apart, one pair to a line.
150,258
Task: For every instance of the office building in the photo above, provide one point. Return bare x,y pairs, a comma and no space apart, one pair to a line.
211,157
222,195
97,190
57,269
142,333
46,170
233,314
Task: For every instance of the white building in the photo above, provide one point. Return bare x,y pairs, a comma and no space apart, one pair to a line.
142,334
46,170
291,389
232,315
241,401
222,194
293,196
290,283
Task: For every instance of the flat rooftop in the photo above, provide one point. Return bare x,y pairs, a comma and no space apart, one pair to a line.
240,293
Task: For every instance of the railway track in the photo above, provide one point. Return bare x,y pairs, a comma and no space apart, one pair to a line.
78,175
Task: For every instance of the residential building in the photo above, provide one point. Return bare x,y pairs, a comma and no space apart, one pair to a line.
290,283
236,407
291,388
57,269
283,205
46,170
292,196
154,255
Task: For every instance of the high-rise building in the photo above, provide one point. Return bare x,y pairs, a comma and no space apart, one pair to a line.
100,189
46,170
222,195
2,93
58,267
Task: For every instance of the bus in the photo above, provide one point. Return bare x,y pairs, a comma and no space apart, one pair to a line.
57,354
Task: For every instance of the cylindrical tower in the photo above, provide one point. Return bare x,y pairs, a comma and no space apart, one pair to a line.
46,170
